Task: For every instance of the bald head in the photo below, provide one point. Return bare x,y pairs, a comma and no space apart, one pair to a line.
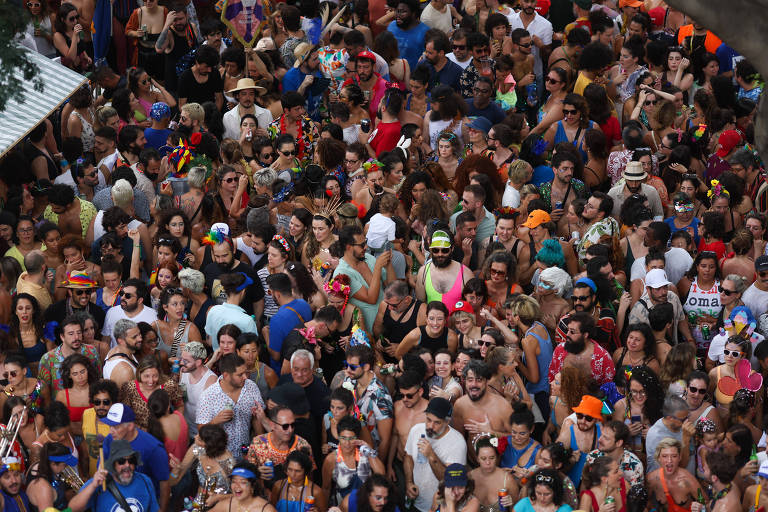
34,262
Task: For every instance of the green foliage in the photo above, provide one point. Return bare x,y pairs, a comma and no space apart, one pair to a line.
13,58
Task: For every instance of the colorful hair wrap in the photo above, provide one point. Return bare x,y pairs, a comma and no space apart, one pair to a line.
282,242
180,156
283,193
216,236
684,207
372,165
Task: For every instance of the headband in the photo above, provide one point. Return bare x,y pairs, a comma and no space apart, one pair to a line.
245,473
248,282
440,239
282,242
334,286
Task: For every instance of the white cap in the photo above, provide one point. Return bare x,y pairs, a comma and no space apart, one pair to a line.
763,471
221,227
656,278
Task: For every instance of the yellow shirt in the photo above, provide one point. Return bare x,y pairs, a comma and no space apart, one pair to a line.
41,293
94,432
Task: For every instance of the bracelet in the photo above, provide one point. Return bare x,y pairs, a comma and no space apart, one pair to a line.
136,245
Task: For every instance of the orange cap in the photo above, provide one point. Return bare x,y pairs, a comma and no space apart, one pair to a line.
536,218
590,406
630,3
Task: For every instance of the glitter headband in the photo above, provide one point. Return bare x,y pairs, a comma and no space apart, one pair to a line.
684,207
282,242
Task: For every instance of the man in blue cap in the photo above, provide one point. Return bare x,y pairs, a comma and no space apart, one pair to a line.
585,300
125,485
153,460
157,134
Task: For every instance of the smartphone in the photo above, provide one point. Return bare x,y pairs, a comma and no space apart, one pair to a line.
635,419
387,246
365,125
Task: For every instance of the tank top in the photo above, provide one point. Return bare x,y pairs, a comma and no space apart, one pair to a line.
511,455
561,136
34,353
111,361
75,413
193,394
285,505
346,479
452,296
702,303
542,360
87,135
577,469
433,344
395,330
623,491
168,349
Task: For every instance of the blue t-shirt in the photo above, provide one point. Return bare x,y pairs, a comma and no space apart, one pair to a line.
542,174
154,458
727,57
410,42
449,75
670,221
157,139
492,112
292,81
139,495
283,322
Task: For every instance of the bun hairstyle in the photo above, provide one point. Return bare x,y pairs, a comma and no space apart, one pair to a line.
560,455
158,403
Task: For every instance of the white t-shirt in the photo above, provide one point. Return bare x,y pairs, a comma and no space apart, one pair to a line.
756,300
678,261
450,449
464,64
248,251
511,196
231,121
380,229
115,313
433,18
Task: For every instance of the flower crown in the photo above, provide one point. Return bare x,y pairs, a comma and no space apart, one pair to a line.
372,165
339,288
717,190
283,242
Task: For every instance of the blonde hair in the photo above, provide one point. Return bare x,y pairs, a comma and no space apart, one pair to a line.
458,315
122,194
518,171
667,442
196,177
526,308
194,111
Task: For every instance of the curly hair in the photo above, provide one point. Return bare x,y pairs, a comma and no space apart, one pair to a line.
66,370
435,170
477,164
412,179
330,153
573,385
654,396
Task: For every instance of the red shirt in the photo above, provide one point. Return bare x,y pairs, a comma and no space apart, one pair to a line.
603,370
377,92
386,137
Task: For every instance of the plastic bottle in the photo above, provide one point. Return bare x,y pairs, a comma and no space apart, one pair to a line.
421,458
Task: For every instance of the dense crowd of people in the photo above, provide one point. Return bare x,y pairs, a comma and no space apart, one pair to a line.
385,256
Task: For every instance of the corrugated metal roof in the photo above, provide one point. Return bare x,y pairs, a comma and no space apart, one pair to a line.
18,119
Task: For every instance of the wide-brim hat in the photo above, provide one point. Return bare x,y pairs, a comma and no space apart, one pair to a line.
79,280
121,448
302,52
247,83
634,172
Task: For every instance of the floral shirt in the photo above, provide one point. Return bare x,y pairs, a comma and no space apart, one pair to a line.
602,365
306,139
262,450
606,227
49,369
630,465
375,405
131,395
577,186
468,79
332,62
214,400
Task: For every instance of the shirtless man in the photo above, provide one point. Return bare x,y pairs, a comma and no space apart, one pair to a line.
120,363
489,477
67,207
446,276
722,469
682,488
749,495
582,439
409,411
479,411
523,59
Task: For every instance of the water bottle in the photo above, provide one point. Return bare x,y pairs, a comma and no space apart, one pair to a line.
421,458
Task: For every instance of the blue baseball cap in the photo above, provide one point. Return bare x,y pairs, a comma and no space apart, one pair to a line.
455,475
481,124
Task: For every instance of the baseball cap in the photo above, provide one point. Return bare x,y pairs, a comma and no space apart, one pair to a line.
657,15
480,124
536,218
118,414
455,475
761,263
542,7
630,3
763,471
728,140
463,306
657,278
440,407
366,54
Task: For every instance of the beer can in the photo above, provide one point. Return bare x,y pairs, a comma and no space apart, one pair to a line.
309,502
610,499
503,494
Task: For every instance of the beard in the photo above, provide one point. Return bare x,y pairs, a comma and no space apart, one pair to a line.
225,267
441,261
478,397
575,347
124,477
433,434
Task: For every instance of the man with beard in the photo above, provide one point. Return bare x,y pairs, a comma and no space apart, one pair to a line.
302,76
409,31
613,443
466,248
442,278
597,212
135,487
479,410
409,411
473,200
245,93
657,292
235,286
195,378
431,447
441,69
79,286
634,183
371,83
255,246
585,301
460,55
130,143
175,40
120,363
564,188
191,119
367,275
480,104
579,350
583,439
202,82
71,336
479,46
677,261
540,30
131,306
103,393
671,487
12,496
224,262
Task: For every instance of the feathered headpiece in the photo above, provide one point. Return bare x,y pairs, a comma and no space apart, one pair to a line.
216,236
717,190
328,210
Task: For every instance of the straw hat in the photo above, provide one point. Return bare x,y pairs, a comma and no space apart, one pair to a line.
79,280
247,83
302,52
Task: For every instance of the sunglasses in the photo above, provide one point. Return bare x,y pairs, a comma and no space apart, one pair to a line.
229,180
73,18
410,395
482,343
648,103
495,272
581,298
527,45
546,286
569,112
126,460
12,373
440,250
584,417
695,391
763,274
267,155
102,402
288,153
352,366
732,353
80,292
125,295
30,4
347,161
286,426
551,81
727,292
